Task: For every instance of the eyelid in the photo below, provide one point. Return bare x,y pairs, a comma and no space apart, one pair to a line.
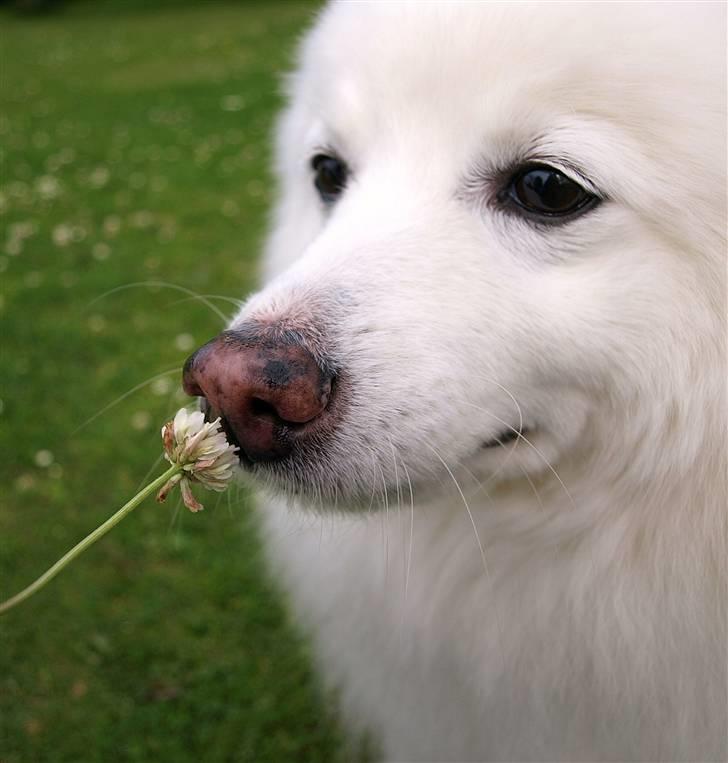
323,150
567,169
508,202
486,170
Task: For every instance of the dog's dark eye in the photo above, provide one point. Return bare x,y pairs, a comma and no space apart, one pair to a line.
330,176
546,192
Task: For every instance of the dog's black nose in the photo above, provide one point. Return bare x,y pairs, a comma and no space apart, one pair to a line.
267,390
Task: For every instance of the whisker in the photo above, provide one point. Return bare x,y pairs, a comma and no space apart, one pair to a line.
481,485
399,490
492,476
512,449
467,507
230,503
164,285
336,497
173,518
123,397
201,297
411,531
385,525
480,545
521,436
512,397
374,484
533,487
152,468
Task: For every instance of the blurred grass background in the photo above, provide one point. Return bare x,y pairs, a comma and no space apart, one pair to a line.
135,144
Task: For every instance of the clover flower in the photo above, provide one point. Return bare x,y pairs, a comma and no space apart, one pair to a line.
201,451
197,451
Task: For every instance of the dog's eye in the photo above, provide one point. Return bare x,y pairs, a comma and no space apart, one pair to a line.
546,192
330,176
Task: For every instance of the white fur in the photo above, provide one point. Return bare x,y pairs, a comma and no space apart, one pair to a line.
593,624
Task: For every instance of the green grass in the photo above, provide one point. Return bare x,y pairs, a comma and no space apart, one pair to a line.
135,147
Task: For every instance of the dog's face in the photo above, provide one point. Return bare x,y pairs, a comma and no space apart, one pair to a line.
494,219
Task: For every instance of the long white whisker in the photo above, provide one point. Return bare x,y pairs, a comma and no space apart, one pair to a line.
230,503
123,397
152,468
385,526
480,545
521,436
512,449
399,490
322,519
202,297
525,474
411,531
481,485
373,481
173,518
164,285
467,508
512,397
533,487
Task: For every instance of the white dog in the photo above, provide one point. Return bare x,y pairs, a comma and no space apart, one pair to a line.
487,378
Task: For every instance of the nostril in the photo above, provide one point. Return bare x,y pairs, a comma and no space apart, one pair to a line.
263,409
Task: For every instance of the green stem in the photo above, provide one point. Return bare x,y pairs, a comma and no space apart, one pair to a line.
90,539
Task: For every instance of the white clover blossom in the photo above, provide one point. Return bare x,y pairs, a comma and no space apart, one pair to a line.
197,451
201,450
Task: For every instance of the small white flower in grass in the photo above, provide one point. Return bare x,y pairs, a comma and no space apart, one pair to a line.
184,342
158,183
141,420
43,458
100,251
202,452
14,247
111,225
99,177
48,186
232,103
162,386
230,208
62,234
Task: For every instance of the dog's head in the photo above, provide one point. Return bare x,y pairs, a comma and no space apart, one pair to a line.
499,244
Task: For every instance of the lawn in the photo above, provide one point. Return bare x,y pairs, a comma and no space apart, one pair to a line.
135,144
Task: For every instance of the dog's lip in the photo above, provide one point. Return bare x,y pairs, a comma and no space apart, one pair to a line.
504,437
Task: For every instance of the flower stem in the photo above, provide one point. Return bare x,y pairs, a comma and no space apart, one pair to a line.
90,539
